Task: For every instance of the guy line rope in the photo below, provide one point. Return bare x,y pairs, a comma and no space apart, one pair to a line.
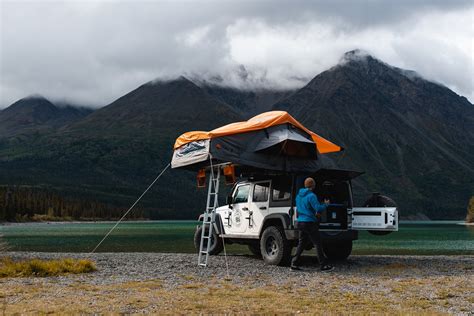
131,207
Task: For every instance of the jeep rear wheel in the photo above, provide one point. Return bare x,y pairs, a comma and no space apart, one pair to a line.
274,247
338,250
216,242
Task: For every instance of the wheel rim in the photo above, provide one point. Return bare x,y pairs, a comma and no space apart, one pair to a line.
271,247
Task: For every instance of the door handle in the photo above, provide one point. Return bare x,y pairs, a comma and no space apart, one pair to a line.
228,218
263,207
245,208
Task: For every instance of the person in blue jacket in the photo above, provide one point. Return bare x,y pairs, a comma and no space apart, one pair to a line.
308,212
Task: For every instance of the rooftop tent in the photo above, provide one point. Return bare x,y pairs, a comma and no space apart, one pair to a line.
272,140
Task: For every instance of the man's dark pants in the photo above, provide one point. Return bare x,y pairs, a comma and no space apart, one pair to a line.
309,231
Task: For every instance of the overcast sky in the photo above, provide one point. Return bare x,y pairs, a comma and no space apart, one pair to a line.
92,52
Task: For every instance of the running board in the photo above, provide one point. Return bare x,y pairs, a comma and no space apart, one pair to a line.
238,236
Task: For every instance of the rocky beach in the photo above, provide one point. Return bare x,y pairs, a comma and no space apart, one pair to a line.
174,284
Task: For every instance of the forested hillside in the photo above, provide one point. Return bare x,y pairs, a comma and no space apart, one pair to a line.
22,203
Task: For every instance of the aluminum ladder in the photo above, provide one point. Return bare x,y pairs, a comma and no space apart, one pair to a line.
209,216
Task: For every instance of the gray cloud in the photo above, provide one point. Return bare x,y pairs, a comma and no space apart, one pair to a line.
95,51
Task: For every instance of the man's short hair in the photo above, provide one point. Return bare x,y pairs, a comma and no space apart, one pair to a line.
309,183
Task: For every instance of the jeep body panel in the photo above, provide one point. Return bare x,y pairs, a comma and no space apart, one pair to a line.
259,202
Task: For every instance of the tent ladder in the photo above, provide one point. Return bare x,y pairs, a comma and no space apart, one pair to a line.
209,216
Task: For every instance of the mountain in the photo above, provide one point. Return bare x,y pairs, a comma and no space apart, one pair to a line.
247,102
245,99
175,106
413,137
114,153
37,113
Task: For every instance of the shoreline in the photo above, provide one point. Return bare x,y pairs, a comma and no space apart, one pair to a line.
450,221
243,253
98,222
173,283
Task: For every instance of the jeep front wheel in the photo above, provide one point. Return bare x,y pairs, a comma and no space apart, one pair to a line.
274,247
216,242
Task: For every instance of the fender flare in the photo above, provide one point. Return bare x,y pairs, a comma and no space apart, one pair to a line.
282,217
218,226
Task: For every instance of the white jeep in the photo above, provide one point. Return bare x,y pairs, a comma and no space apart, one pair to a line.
260,213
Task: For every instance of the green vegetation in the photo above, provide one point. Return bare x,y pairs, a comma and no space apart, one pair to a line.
44,268
38,204
470,211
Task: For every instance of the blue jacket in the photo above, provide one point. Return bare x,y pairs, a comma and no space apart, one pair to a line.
307,206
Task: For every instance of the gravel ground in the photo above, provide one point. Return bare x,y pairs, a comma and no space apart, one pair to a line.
447,281
171,267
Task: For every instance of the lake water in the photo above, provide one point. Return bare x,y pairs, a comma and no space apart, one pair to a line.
420,238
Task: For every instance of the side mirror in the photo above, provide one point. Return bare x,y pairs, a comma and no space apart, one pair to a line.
229,201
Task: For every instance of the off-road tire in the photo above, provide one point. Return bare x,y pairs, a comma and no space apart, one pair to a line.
340,250
254,248
377,200
216,242
275,248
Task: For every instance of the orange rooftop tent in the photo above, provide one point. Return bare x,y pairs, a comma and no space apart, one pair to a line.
271,140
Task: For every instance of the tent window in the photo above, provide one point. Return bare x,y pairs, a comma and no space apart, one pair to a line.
260,192
281,195
242,194
281,189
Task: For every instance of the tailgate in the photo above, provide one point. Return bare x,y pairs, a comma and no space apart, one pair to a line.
375,218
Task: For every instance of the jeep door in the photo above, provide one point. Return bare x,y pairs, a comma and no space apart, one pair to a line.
240,206
258,206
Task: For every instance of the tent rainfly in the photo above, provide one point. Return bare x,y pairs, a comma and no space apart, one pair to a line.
271,140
